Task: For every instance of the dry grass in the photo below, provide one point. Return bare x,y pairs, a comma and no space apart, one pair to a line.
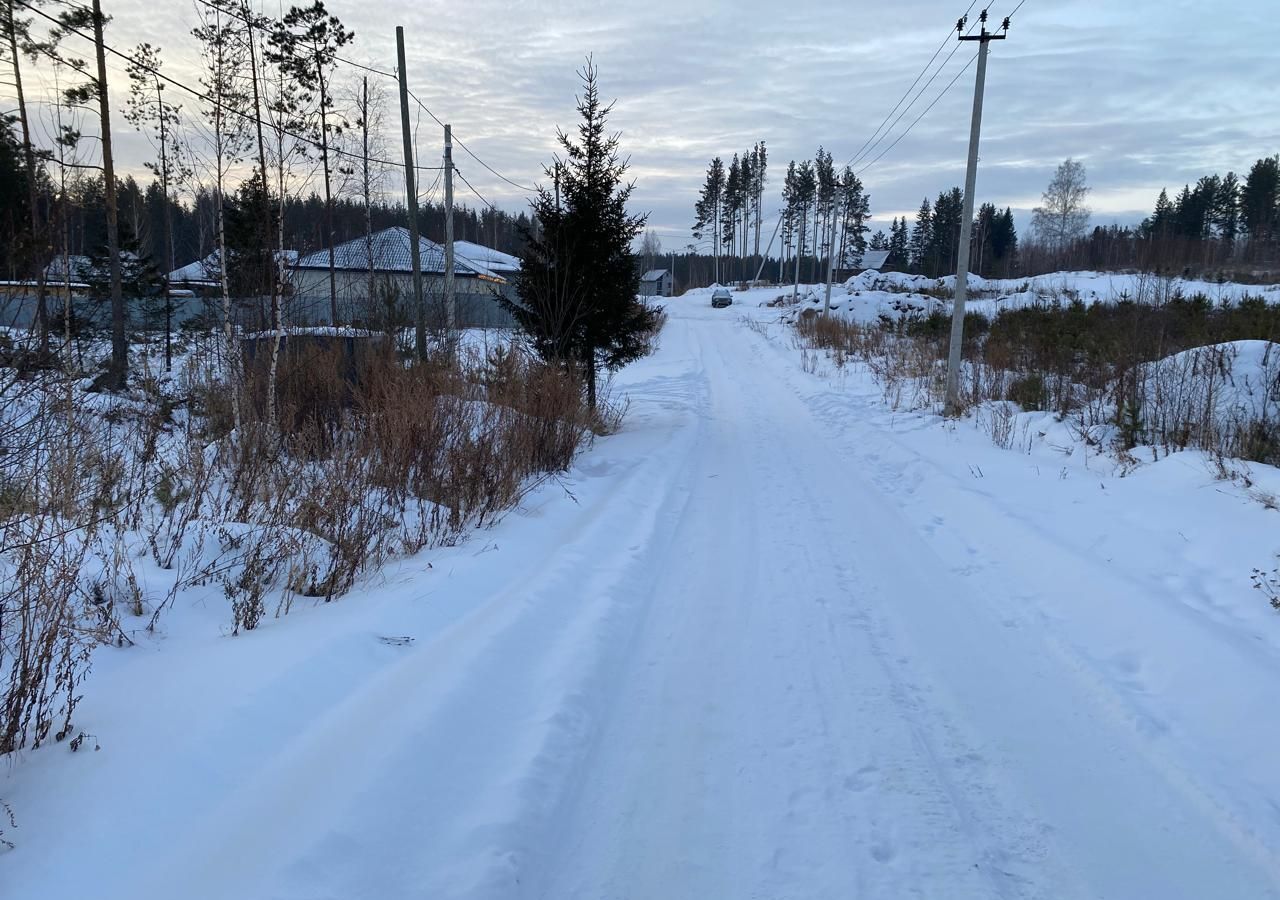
1107,370
369,459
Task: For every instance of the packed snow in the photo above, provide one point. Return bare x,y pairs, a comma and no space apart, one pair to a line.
771,640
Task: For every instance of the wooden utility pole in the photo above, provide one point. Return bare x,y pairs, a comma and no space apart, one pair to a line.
118,373
450,313
411,199
984,39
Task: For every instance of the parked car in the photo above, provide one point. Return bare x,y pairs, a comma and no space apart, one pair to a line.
721,297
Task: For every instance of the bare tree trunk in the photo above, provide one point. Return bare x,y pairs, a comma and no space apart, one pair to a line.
262,161
168,234
33,192
118,373
328,199
759,203
368,192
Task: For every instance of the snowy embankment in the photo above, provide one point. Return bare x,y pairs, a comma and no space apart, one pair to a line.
869,295
781,641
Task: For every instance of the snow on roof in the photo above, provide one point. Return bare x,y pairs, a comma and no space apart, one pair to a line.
207,270
201,270
653,275
81,267
873,259
494,260
392,253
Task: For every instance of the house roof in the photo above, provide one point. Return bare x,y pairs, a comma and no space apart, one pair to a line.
391,253
207,270
653,275
873,259
491,259
81,267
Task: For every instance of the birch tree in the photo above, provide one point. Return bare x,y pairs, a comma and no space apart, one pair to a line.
1063,215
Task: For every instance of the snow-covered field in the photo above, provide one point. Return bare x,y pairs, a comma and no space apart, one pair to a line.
772,640
867,296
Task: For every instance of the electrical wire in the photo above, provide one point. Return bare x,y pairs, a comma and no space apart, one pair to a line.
955,49
950,84
199,94
860,152
473,190
385,74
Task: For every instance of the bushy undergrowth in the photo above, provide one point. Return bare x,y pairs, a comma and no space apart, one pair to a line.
369,457
1156,374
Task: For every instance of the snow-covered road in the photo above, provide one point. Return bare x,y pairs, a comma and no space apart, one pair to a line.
772,649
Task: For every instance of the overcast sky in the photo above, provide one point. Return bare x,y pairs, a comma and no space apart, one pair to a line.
1148,93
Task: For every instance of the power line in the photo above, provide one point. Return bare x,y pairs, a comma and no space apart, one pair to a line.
473,190
471,152
258,27
950,84
199,94
916,98
393,77
907,92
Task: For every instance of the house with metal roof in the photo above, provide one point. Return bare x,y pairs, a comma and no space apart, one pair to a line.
376,274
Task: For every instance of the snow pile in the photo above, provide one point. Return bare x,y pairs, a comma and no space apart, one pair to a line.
872,295
1218,395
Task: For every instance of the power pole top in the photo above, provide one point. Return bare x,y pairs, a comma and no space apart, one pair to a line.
984,35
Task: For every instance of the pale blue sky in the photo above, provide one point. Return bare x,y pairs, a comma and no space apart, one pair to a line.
1148,93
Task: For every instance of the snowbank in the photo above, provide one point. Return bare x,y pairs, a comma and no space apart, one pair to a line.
1218,395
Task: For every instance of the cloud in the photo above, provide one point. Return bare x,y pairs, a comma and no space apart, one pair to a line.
1148,94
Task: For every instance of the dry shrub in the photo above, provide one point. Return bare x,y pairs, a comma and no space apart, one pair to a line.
1102,367
65,489
374,457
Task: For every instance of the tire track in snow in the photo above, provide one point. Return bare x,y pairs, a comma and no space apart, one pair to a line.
365,779
895,465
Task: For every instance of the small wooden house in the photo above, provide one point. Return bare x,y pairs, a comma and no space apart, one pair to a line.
656,283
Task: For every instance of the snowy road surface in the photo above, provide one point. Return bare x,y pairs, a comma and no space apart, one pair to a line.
774,648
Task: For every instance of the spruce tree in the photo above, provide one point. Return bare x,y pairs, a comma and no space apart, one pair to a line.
1004,243
922,237
948,210
1260,204
899,250
576,293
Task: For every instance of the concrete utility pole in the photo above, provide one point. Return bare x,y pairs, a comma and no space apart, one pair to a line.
450,313
984,38
411,198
